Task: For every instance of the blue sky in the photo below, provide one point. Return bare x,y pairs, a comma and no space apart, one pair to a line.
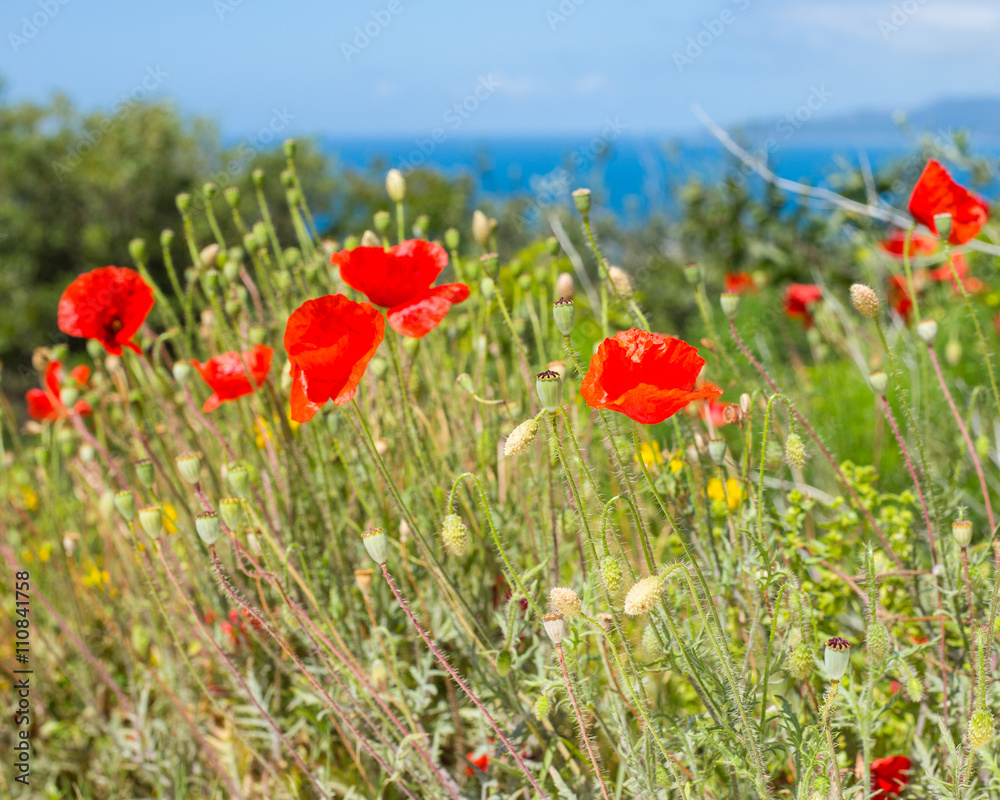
540,66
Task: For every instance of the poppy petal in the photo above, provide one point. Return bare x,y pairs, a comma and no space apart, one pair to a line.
227,374
936,193
419,317
40,406
395,276
108,304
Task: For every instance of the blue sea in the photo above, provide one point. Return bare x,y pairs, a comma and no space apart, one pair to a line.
630,176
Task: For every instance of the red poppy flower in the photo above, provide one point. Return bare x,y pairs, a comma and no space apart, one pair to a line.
890,775
329,341
480,763
936,193
399,279
227,374
645,376
108,304
46,405
799,298
739,282
920,245
899,296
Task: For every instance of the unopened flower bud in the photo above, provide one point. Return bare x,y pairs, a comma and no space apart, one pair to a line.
376,544
125,503
542,707
166,238
581,199
961,531
207,525
503,663
877,639
210,281
565,287
231,511
144,472
927,330
238,479
370,239
795,451
914,690
382,220
68,395
232,195
717,451
565,601
612,575
643,596
290,146
981,723
800,661
258,177
209,255
151,521
395,185
549,388
454,535
555,627
837,657
189,466
864,300
183,201
564,314
520,438
730,302
879,381
942,224
622,281
137,249
480,228
452,238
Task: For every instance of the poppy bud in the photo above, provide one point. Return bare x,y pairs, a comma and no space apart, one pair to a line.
864,300
350,242
488,288
454,535
717,451
565,287
189,466
621,280
231,511
961,531
258,177
210,282
879,382
730,302
555,627
464,382
520,438
68,396
375,543
363,579
581,199
981,723
693,273
643,596
382,221
503,663
549,388
210,190
207,525
144,472
370,239
837,657
125,503
232,195
480,228
238,480
914,690
452,238
611,575
260,235
421,225
288,181
942,224
800,662
877,639
137,249
395,185
795,451
542,707
183,201
745,403
290,146
151,521
927,330
564,314
565,601
166,238
182,372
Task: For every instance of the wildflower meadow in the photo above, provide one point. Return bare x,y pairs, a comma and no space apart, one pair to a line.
423,514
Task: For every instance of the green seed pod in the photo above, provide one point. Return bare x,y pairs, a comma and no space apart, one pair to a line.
454,535
210,282
68,396
795,451
717,451
730,302
981,723
151,521
166,238
452,238
144,472
927,330
555,627
800,662
231,270
137,249
879,382
231,511
503,663
290,146
375,543
258,177
382,220
183,201
693,273
232,195
612,575
942,224
488,288
961,531
189,466
207,525
564,314
260,235
581,199
542,707
125,503
877,638
548,385
238,479
182,372
837,657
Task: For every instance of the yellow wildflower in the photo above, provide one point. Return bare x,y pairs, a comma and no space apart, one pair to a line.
676,465
30,498
169,518
733,491
651,455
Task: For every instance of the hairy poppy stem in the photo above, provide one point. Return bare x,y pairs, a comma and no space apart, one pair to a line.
579,721
461,683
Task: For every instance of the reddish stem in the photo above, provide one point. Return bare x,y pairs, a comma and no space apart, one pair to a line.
579,721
